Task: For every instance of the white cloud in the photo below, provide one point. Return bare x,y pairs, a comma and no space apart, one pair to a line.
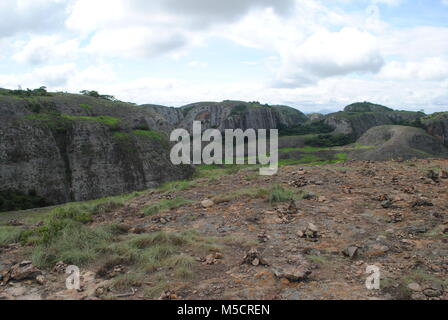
47,49
198,64
429,69
326,54
31,16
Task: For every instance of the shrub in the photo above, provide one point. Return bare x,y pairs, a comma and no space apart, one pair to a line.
319,127
330,140
11,200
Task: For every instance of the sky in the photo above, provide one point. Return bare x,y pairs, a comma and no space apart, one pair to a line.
314,55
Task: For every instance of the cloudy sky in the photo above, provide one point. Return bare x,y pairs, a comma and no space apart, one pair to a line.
311,54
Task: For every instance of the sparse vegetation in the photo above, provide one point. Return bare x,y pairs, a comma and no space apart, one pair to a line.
164,205
39,92
149,134
241,193
95,94
279,194
318,127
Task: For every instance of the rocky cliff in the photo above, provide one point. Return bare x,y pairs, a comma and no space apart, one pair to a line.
437,126
357,118
232,115
72,148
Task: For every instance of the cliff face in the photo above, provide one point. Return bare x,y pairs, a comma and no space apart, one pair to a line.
73,148
231,115
437,126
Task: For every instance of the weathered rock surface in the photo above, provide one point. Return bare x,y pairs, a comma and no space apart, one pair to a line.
232,115
80,148
437,126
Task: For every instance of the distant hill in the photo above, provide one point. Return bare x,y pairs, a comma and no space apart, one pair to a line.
357,118
394,142
232,115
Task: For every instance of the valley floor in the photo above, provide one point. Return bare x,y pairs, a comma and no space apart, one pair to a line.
308,233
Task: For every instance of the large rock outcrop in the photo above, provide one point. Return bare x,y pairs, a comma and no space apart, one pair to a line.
231,115
437,126
73,148
357,118
399,142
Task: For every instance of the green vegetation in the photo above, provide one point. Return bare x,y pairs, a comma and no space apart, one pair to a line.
121,135
40,92
366,107
63,234
149,134
13,200
9,235
279,194
239,110
61,122
319,127
177,186
164,205
107,120
52,120
320,260
86,106
95,94
241,193
330,140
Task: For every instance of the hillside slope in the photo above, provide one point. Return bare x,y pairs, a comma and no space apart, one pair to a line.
394,142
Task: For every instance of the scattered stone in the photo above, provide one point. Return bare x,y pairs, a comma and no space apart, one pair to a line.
60,267
24,271
207,203
347,189
443,174
415,287
293,274
40,280
377,250
299,183
322,199
168,295
310,196
351,251
395,217
263,237
434,176
311,232
386,204
422,203
293,208
417,229
433,292
212,259
253,257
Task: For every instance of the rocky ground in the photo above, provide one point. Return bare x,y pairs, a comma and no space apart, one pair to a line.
349,216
